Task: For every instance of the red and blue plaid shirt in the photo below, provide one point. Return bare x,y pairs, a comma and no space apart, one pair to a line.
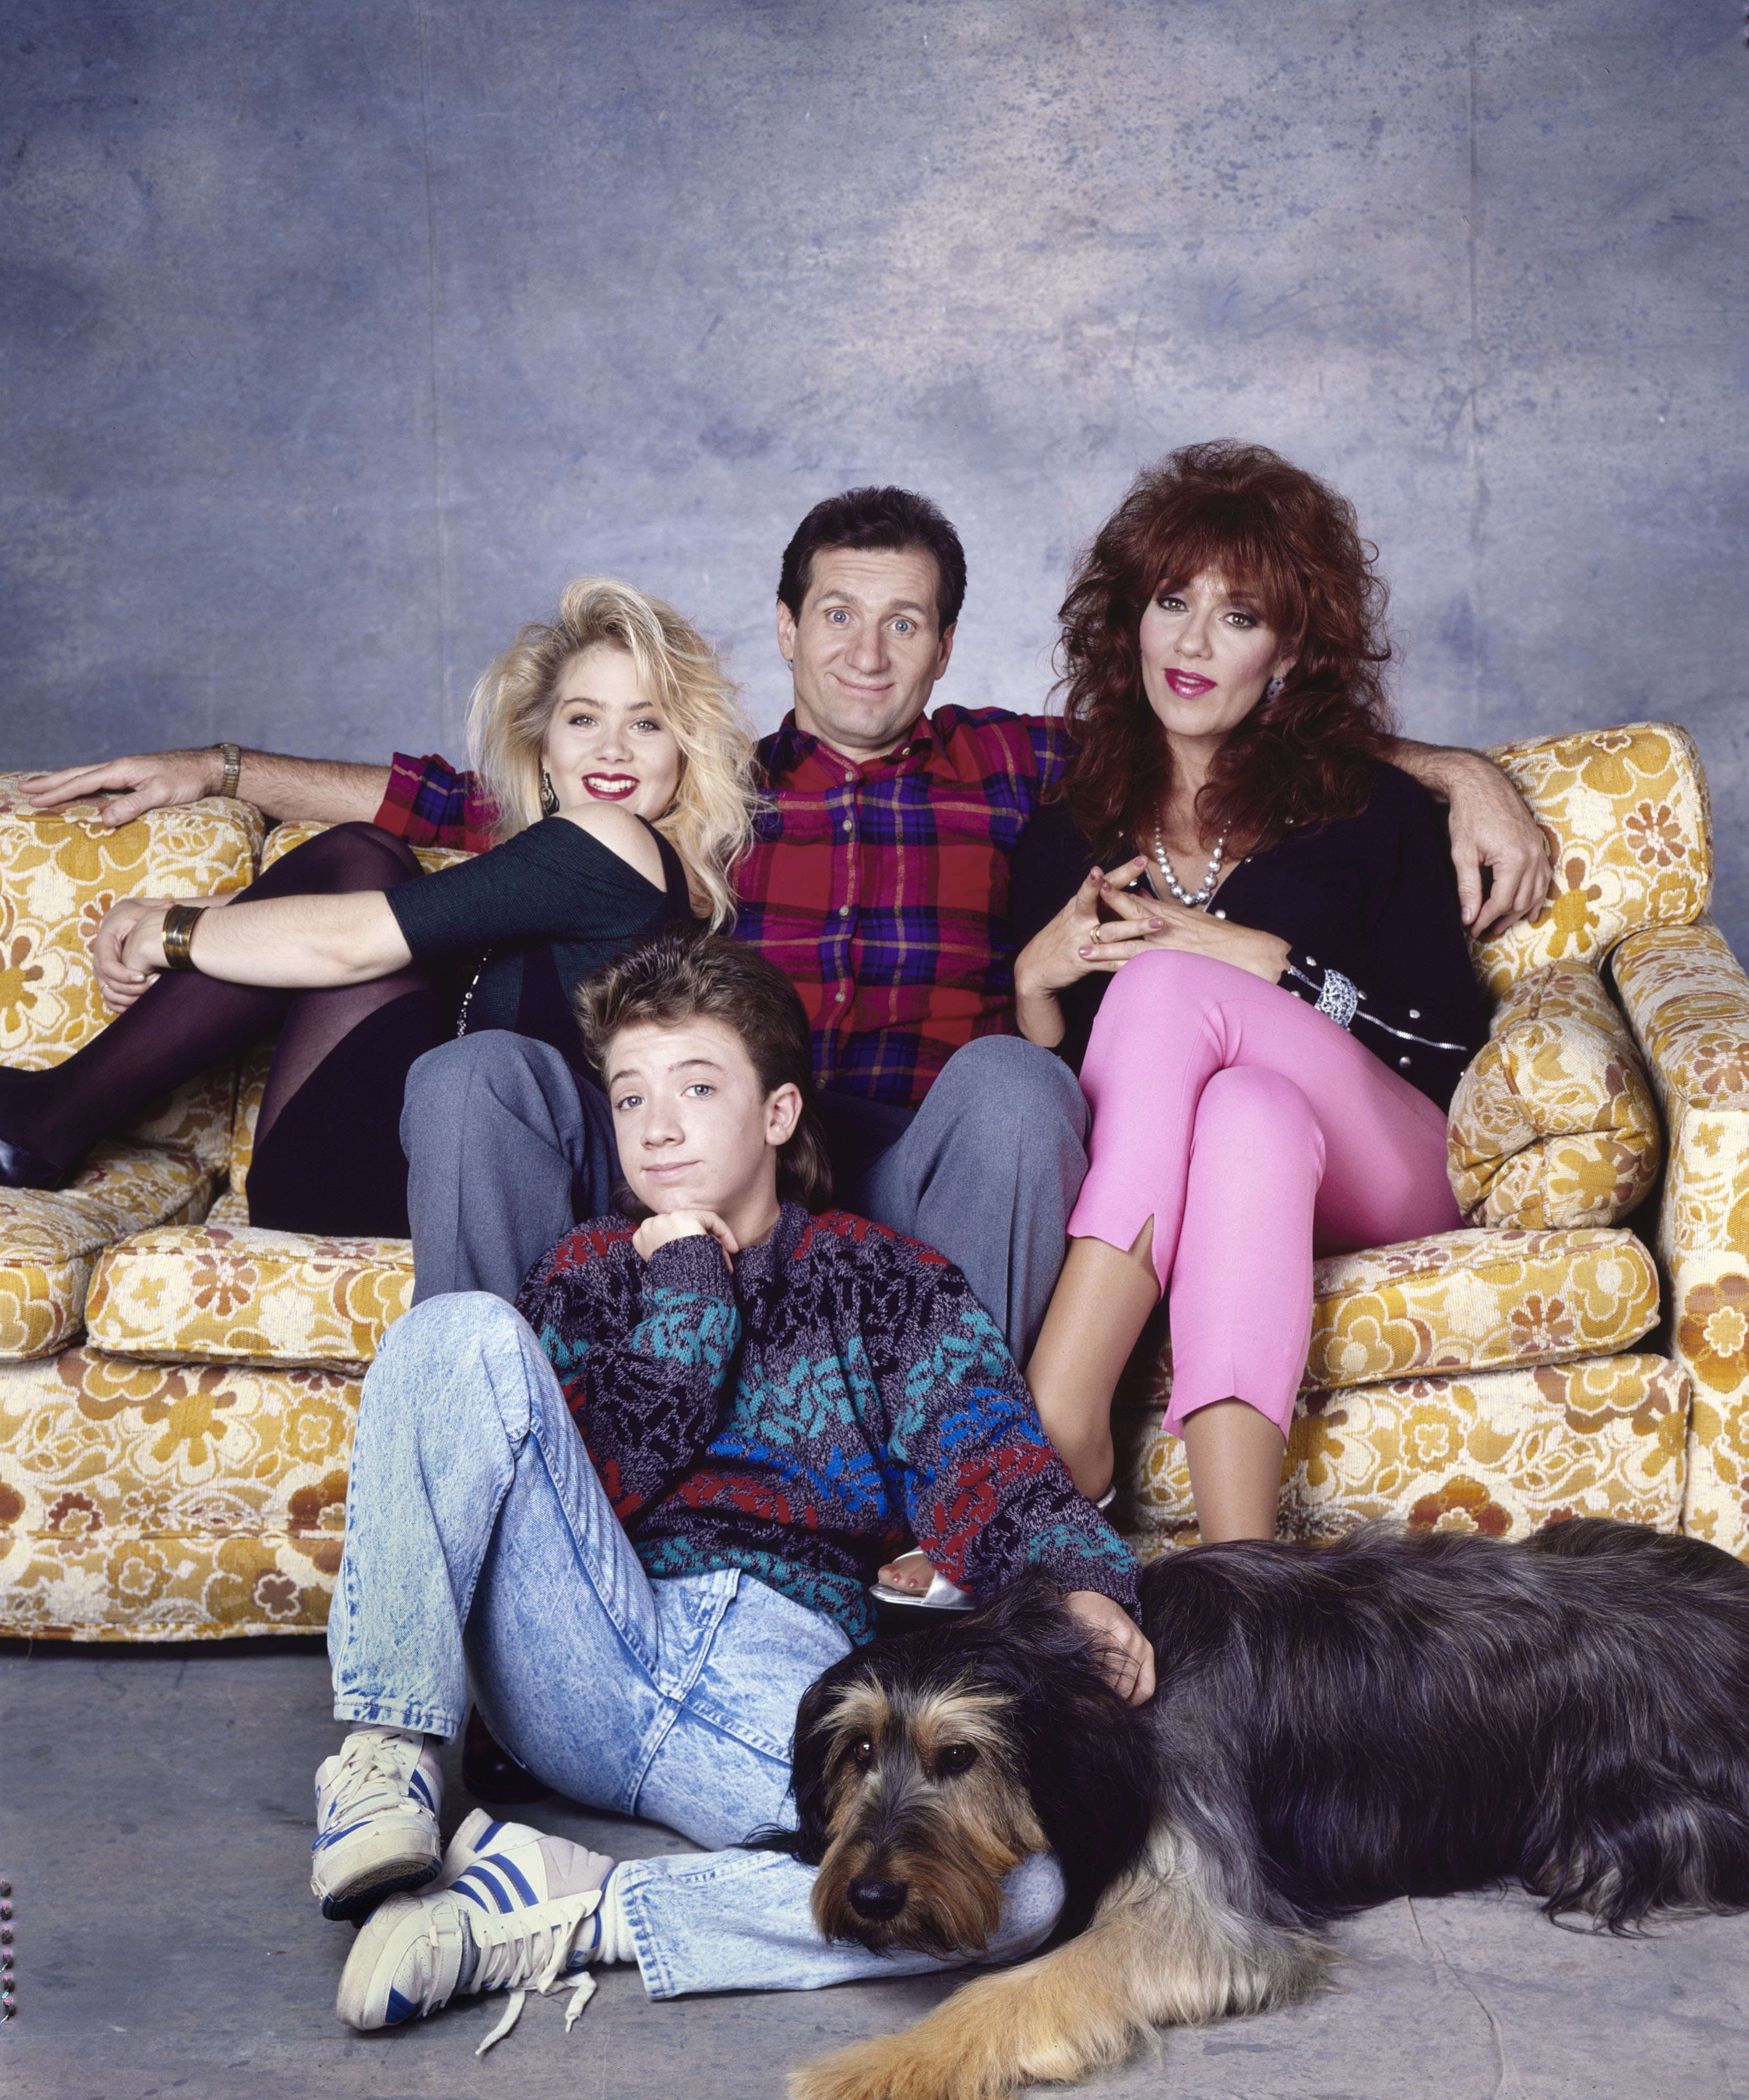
881,889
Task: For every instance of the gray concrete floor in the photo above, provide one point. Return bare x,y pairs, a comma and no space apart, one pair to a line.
155,1809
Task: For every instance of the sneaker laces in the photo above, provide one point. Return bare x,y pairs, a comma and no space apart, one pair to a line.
531,1950
375,1776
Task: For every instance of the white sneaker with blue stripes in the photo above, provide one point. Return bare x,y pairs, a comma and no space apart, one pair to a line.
498,1921
378,1801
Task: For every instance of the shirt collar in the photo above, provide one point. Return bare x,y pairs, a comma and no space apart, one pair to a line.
789,745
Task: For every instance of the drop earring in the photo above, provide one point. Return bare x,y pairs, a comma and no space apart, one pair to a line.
1273,688
549,799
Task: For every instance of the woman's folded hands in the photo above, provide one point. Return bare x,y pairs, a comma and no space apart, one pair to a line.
1106,924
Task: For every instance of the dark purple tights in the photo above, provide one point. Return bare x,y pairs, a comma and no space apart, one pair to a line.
328,1156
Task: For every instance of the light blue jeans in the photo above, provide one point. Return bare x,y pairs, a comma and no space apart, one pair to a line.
480,1544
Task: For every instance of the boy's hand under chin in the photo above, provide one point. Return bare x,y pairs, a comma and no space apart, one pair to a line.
681,1224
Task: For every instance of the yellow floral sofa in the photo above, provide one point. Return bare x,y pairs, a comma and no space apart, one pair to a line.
182,1473
177,1470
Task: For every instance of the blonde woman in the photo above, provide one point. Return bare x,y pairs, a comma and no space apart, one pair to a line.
622,776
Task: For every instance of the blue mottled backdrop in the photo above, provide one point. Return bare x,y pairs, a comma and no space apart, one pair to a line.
338,334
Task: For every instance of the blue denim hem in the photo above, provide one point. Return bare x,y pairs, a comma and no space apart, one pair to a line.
395,1713
633,1876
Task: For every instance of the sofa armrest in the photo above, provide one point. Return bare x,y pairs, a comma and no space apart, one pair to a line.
1687,998
1552,1123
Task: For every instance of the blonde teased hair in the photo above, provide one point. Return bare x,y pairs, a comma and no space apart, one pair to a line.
709,823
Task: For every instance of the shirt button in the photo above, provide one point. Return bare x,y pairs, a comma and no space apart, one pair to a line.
1402,1062
840,997
847,823
1220,915
1313,960
1415,1013
844,911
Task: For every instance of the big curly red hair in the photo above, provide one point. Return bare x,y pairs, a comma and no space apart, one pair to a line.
1300,757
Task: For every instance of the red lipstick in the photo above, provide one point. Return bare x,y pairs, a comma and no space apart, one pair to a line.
1187,685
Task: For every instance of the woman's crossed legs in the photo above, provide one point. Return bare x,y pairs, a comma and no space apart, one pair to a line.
1236,1133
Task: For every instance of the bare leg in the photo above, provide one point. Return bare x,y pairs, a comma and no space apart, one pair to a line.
1102,1301
1235,1455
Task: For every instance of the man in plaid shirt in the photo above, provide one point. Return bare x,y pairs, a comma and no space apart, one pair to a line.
879,882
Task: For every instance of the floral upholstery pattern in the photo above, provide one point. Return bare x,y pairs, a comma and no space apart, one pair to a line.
149,1502
253,1068
1505,1454
244,1295
61,872
1687,997
1630,833
49,1239
1472,1301
1554,1123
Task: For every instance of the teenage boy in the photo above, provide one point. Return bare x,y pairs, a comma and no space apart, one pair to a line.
769,1401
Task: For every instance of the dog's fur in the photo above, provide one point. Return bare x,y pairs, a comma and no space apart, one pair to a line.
1390,1716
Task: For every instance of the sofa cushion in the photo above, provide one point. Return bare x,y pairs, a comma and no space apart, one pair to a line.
244,1295
1630,833
296,831
60,873
1471,1301
1686,993
1504,1453
157,1501
1553,1122
50,1239
1466,1301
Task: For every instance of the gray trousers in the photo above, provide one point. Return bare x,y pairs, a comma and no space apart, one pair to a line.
506,1152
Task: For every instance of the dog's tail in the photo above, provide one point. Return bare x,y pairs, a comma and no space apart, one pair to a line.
1163,1949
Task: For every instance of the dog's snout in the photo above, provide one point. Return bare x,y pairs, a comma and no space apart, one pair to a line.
877,1900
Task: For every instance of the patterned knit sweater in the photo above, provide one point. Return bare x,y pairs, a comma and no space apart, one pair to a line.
805,1416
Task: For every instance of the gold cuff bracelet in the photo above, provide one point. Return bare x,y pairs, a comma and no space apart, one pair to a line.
179,931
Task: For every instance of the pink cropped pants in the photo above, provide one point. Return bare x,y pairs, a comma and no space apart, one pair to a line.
1256,1134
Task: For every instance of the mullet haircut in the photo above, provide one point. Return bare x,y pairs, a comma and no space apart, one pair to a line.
877,521
680,975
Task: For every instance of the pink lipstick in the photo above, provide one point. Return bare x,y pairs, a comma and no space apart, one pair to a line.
1187,685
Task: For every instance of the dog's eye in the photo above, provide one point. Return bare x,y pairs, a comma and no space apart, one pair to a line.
957,1758
862,1751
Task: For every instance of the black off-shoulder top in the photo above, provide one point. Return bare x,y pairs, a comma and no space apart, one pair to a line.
542,911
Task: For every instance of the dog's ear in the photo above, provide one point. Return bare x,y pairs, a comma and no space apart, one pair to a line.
807,1780
1090,1758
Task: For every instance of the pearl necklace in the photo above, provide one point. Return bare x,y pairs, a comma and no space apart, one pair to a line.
1209,878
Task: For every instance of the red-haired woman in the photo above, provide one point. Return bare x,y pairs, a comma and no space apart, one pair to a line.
1271,938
